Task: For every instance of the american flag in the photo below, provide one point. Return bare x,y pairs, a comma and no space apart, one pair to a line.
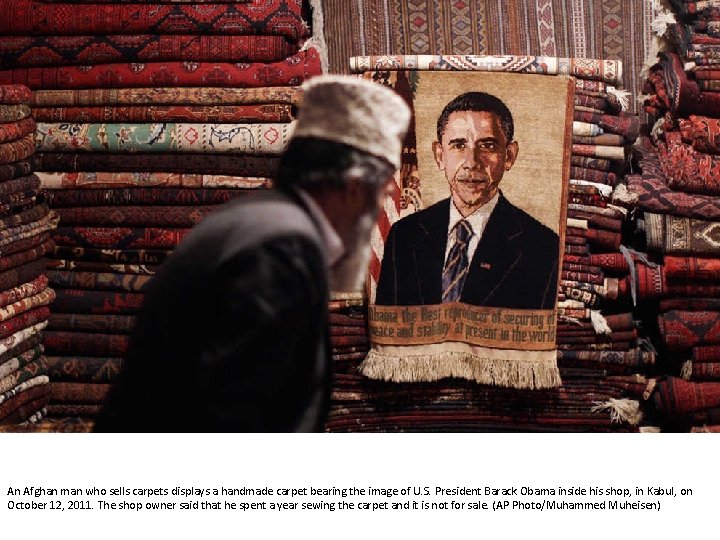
389,214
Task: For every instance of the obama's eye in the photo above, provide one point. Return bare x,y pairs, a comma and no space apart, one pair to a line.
488,146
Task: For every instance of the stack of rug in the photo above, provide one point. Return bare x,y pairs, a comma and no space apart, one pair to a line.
594,263
598,333
677,192
602,373
148,117
25,229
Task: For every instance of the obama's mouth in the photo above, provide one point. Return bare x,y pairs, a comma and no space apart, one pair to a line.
473,182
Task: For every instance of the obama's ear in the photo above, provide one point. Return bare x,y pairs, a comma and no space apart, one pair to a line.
511,154
438,154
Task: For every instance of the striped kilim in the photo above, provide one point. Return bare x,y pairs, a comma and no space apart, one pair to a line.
603,29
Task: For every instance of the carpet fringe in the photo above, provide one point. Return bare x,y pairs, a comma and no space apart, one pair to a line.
571,320
599,323
622,195
433,367
318,35
621,410
663,19
604,189
351,295
623,97
686,370
650,429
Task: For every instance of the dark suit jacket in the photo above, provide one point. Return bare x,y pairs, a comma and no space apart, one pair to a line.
515,264
233,332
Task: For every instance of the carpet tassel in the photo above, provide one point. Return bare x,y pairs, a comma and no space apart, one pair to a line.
599,323
621,410
433,367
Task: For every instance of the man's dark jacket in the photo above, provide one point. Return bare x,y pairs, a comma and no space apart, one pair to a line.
515,264
232,335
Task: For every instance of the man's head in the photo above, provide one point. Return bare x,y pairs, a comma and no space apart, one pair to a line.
474,148
345,149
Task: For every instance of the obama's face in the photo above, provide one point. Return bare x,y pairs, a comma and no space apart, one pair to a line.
474,154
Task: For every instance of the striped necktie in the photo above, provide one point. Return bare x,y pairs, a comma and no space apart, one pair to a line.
457,264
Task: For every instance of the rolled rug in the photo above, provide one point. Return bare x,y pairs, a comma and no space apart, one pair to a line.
681,330
25,290
92,180
676,235
16,130
81,344
8,171
150,216
43,298
627,126
109,267
33,367
203,164
64,198
289,72
705,354
23,218
266,17
705,371
676,397
651,192
85,301
13,113
271,138
17,150
270,112
167,96
102,323
97,280
78,392
20,355
609,71
111,256
688,170
83,368
674,91
702,132
26,51
23,320
119,237
691,268
14,94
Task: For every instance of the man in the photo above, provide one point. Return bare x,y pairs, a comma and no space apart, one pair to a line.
475,246
233,332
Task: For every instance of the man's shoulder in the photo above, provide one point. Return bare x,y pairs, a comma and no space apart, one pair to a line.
269,211
249,221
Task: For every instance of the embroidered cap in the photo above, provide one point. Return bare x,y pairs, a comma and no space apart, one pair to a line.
353,111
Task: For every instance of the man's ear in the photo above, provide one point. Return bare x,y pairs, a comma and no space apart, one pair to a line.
438,154
511,153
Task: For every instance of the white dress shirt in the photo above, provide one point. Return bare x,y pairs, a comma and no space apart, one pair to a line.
477,220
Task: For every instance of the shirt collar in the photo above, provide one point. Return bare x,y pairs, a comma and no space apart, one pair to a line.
478,219
332,243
